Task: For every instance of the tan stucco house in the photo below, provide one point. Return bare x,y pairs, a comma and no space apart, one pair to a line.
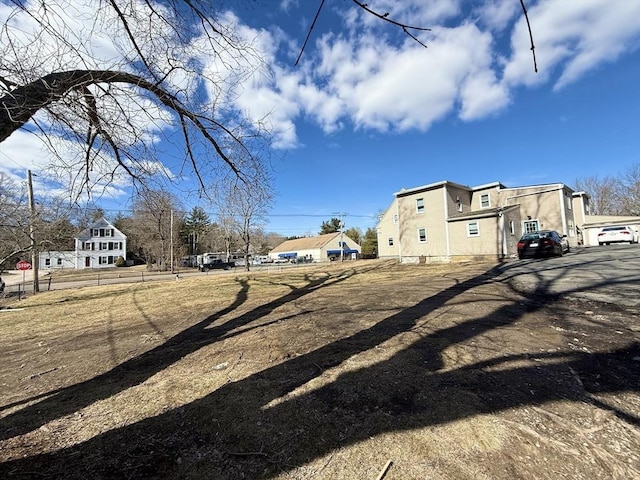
447,221
332,246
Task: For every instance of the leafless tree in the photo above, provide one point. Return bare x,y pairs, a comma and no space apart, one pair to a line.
630,197
603,193
14,221
52,226
243,208
153,213
263,242
102,112
613,195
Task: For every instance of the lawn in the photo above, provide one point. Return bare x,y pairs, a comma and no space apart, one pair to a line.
359,370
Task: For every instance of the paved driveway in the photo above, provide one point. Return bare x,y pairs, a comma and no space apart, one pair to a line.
608,274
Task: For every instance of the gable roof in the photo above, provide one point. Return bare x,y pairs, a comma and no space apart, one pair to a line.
430,186
101,223
488,185
308,243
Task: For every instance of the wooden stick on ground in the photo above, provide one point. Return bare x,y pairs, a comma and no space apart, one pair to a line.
383,472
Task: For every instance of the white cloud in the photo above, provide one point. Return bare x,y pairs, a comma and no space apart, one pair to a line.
368,74
481,95
497,14
385,87
572,38
23,151
56,177
367,77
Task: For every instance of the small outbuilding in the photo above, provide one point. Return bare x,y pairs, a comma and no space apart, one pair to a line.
323,248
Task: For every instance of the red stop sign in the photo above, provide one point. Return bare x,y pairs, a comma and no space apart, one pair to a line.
23,265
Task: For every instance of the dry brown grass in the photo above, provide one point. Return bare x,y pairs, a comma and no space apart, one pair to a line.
315,373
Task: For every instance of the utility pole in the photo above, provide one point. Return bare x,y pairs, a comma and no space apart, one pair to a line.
341,237
32,234
171,241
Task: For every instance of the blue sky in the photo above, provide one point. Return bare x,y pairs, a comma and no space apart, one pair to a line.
368,111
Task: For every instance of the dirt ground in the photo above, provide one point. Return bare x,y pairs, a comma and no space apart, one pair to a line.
363,370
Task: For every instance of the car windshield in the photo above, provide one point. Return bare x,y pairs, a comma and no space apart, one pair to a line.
531,236
613,229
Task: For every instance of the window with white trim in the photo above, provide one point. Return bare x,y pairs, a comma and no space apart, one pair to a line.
59,262
572,232
391,241
512,227
420,205
485,201
47,262
395,219
422,235
458,204
529,226
473,229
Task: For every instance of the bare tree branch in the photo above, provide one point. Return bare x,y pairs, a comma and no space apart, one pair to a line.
533,48
22,103
385,17
406,28
313,24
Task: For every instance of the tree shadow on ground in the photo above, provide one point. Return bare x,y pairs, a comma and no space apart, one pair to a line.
64,401
267,423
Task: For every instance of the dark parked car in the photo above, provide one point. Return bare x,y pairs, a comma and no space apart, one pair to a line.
215,264
545,243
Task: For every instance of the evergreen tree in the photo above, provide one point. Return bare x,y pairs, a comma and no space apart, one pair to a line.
332,226
370,243
193,229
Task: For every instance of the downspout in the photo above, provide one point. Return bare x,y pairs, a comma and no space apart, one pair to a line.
584,220
398,230
446,224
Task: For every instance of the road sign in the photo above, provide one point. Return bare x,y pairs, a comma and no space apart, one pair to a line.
23,265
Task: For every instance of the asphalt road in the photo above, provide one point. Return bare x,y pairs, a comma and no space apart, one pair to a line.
607,274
